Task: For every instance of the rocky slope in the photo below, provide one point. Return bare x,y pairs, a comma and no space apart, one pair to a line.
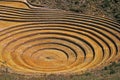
104,8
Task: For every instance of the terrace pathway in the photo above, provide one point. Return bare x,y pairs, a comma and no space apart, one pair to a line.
39,40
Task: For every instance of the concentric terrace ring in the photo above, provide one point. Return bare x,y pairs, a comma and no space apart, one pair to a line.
54,41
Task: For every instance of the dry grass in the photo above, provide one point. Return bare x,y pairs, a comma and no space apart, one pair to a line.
108,73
